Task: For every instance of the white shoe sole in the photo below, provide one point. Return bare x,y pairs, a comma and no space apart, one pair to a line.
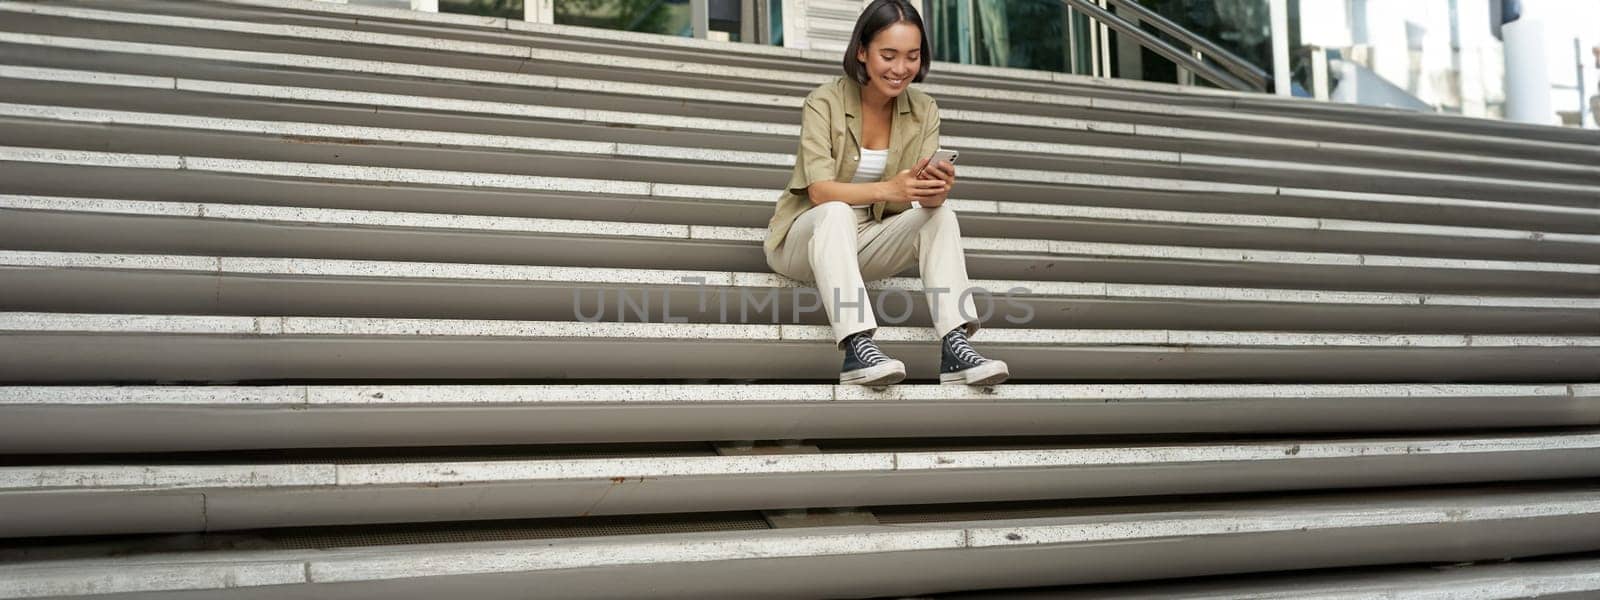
890,372
989,373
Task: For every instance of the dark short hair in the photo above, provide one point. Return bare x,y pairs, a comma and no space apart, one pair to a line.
879,16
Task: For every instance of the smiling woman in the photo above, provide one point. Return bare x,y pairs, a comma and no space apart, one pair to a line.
855,208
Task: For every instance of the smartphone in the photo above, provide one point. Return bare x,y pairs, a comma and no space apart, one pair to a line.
941,155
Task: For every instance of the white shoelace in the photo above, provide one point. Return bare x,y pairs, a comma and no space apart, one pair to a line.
867,351
963,350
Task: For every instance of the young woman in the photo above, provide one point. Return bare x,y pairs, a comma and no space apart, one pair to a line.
855,208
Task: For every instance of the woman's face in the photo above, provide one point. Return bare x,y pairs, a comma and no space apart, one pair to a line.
893,58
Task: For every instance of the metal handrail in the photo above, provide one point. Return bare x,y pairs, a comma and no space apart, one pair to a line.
1240,67
1236,74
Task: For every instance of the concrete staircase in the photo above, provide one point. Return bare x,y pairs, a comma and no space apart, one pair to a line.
296,303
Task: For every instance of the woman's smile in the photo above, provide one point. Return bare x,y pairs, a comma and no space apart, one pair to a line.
892,59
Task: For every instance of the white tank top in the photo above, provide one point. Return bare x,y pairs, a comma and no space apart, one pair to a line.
871,166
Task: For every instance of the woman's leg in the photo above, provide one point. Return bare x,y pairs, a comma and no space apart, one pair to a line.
933,238
821,246
930,237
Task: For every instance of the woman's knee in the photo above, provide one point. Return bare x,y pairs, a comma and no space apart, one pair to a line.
835,216
834,208
940,216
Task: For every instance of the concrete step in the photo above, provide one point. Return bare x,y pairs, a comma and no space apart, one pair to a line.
131,496
229,285
82,347
1570,577
1024,186
130,226
1003,140
87,419
764,102
895,558
377,220
92,90
842,10
148,132
669,72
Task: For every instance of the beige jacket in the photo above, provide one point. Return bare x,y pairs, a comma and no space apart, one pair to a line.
830,142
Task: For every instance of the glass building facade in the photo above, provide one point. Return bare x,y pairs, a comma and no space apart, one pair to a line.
1025,34
1046,35
726,18
668,17
506,9
1422,54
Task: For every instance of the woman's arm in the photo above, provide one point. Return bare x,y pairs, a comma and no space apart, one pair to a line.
854,194
903,187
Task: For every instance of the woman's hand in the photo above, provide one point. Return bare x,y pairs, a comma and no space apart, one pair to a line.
905,186
943,172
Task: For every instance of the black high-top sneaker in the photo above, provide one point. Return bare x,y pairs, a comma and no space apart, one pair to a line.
865,364
961,364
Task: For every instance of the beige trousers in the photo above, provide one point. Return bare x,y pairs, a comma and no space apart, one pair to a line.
839,247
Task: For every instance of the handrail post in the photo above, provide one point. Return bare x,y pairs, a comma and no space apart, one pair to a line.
1185,76
700,18
964,47
1320,83
1072,40
539,11
1102,46
1282,80
1130,61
